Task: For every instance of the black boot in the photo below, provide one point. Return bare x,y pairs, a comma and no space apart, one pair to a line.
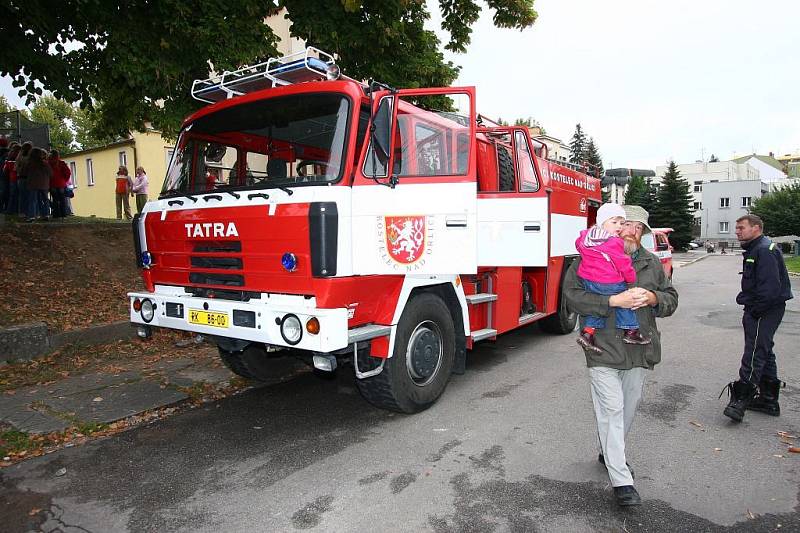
766,401
741,393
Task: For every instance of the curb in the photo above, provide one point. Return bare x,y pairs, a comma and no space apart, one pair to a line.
29,341
693,261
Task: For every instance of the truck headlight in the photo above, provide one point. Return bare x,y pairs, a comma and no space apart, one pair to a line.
291,329
148,310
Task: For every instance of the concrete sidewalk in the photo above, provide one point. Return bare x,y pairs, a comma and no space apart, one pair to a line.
106,398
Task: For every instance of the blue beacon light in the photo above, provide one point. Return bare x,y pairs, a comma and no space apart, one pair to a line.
289,262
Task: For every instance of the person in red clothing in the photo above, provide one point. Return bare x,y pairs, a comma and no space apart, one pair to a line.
123,190
606,269
10,170
58,184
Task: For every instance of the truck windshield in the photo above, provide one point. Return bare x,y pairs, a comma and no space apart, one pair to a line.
280,142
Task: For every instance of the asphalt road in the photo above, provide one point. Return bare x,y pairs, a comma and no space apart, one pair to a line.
509,447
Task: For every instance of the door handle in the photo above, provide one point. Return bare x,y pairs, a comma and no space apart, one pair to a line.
456,221
533,226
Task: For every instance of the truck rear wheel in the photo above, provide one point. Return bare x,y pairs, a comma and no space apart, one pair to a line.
250,363
563,321
420,367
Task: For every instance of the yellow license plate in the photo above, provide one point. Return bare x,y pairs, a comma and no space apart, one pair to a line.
207,318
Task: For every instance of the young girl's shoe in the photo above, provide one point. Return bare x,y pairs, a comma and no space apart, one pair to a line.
633,336
586,340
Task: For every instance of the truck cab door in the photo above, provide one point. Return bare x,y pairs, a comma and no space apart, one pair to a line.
414,191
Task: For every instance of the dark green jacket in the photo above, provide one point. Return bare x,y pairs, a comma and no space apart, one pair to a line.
616,354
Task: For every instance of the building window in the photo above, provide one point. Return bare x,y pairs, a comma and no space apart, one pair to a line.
747,201
89,173
698,186
73,169
724,202
723,227
696,206
698,221
123,159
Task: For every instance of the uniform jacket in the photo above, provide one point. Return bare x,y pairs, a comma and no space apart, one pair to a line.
603,259
616,354
765,281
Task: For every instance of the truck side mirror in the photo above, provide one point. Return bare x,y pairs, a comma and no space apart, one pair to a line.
382,129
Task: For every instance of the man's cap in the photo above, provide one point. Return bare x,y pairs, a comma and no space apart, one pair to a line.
608,211
634,213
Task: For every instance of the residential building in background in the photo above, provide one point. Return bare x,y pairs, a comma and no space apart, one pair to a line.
769,168
702,173
94,171
556,149
791,163
723,203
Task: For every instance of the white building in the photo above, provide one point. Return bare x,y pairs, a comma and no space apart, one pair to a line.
556,149
770,169
704,172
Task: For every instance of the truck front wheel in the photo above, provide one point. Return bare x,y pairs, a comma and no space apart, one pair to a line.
420,367
250,363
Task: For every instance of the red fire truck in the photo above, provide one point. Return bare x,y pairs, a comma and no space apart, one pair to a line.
307,214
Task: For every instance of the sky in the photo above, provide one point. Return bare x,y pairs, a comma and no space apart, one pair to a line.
650,81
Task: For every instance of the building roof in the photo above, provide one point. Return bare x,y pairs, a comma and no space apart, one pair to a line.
123,142
769,160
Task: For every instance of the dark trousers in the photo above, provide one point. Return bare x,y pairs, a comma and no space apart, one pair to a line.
59,202
758,359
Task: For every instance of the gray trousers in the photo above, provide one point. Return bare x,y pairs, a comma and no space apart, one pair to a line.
615,394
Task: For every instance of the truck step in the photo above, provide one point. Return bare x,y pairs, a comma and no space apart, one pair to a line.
480,298
524,319
367,332
483,334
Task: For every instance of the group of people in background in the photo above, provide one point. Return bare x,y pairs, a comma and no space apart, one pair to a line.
135,186
34,184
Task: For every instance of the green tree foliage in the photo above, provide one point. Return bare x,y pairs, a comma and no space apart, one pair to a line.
713,159
674,207
780,211
5,107
649,199
88,133
140,57
577,145
592,156
636,191
57,114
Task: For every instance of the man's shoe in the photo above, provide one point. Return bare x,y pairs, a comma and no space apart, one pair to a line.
633,336
626,496
602,461
586,340
766,401
741,395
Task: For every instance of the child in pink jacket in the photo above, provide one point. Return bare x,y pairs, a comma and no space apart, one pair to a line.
606,269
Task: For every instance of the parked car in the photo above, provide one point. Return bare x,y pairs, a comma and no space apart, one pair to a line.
658,243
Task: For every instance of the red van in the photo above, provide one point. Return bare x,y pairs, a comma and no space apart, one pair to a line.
658,243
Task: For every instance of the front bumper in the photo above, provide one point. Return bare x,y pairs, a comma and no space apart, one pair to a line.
268,311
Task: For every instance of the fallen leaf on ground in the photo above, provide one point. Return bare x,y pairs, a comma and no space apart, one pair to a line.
794,449
97,399
750,515
34,511
697,424
779,456
786,435
717,449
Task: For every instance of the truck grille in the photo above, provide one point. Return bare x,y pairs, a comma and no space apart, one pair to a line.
204,278
218,246
230,263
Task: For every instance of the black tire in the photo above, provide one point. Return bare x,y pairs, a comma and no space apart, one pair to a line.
505,165
416,375
563,321
250,363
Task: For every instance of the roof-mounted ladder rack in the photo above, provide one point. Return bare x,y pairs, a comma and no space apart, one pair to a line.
310,64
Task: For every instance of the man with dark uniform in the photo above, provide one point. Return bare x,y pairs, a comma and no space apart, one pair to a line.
765,289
